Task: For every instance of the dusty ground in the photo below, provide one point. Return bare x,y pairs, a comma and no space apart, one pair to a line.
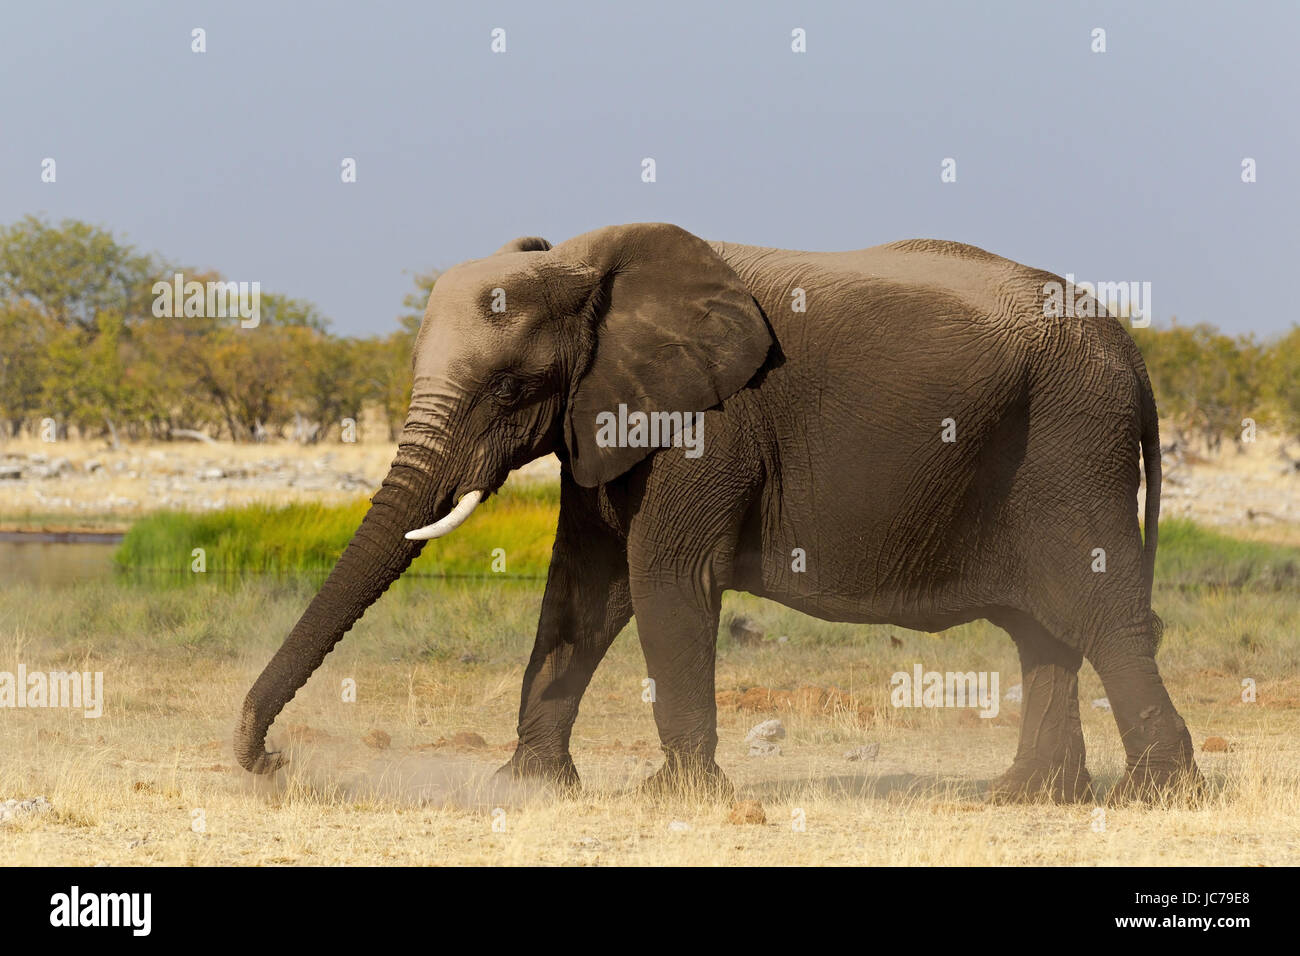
67,485
399,775
1255,491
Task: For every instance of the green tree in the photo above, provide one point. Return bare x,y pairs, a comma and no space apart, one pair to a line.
74,271
1282,364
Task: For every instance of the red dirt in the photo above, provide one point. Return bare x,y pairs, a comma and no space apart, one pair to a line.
823,700
747,812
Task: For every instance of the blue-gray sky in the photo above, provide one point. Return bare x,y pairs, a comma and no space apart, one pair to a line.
1117,166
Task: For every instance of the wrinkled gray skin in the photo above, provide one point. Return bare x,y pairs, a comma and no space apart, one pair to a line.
822,431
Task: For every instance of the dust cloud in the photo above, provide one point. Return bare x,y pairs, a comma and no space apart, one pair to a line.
339,769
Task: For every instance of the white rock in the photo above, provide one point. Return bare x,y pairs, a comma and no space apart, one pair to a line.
768,730
1016,693
1101,703
13,809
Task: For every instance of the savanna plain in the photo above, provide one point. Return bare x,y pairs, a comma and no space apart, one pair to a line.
402,774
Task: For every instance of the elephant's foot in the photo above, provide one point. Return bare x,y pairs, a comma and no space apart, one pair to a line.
1026,782
688,778
1161,765
1179,784
549,768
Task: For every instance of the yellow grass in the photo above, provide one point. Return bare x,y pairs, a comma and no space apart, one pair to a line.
125,787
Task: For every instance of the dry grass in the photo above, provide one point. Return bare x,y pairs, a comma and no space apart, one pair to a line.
178,661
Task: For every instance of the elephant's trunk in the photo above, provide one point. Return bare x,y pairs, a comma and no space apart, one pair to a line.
375,557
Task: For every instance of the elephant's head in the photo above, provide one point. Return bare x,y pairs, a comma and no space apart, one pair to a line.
516,356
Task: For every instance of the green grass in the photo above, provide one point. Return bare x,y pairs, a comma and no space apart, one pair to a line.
1192,555
308,538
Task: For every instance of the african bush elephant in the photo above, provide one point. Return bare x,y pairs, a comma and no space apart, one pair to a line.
905,415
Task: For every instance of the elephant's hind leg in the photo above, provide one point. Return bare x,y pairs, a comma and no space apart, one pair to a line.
1160,760
1050,760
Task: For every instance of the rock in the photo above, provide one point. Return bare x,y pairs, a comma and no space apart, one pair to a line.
1101,703
15,809
768,730
678,826
764,748
468,739
783,639
744,630
865,752
377,739
1016,693
468,658
93,465
10,472
747,812
1216,745
209,474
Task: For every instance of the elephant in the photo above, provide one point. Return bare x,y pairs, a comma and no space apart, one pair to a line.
907,420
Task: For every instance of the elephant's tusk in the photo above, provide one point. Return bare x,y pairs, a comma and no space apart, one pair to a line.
453,520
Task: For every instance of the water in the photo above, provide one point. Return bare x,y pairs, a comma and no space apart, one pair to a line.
55,560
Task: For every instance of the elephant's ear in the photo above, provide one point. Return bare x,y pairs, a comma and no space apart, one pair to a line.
674,330
525,244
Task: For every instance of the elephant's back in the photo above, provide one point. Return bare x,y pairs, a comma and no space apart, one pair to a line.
989,284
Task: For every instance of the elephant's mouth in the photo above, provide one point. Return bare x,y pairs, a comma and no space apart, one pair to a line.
451,521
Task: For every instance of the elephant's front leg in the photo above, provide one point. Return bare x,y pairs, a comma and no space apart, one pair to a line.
678,625
585,606
682,543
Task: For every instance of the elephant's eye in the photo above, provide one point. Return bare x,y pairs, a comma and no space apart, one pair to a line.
506,388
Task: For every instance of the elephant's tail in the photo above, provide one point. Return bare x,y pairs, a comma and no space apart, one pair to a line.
1150,424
